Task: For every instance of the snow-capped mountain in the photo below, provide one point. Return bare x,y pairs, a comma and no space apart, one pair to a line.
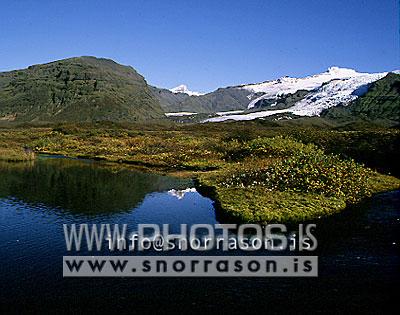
336,86
306,96
286,85
184,89
335,92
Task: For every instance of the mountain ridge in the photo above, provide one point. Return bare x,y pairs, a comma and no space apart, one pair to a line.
87,89
284,91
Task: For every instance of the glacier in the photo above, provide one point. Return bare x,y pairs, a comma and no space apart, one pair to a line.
336,86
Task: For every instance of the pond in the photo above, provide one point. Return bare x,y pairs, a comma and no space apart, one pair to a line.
358,249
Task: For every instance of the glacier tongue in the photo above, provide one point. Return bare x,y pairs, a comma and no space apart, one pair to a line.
322,95
333,93
287,85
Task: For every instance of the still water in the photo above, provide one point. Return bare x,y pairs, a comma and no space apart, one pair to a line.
358,249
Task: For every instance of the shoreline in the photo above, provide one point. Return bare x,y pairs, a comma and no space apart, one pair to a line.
254,176
222,204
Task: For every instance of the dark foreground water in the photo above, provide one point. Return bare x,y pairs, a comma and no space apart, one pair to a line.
359,261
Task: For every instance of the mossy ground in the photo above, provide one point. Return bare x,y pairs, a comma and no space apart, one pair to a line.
255,174
258,205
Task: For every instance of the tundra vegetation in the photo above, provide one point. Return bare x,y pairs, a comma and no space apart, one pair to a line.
254,172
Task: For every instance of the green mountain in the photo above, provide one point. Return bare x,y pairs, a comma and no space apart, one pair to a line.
380,102
83,89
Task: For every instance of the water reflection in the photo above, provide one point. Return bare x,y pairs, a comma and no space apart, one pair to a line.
83,187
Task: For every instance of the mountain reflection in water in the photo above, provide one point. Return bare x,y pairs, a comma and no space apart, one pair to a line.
81,186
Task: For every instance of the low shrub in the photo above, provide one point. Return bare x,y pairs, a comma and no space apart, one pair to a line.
303,168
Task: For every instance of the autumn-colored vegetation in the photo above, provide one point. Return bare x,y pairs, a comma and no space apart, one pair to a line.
262,175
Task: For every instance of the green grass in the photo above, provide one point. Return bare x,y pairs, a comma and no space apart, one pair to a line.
255,205
282,180
301,168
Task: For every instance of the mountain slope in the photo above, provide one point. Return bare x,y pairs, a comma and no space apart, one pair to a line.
381,101
282,101
82,89
335,92
169,101
287,85
306,96
223,99
283,95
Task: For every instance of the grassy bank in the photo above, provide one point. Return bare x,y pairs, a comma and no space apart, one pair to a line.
282,180
255,173
16,154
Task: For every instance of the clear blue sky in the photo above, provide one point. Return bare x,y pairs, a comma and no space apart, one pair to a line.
205,44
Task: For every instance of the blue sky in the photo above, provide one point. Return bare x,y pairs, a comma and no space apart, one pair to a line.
205,44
